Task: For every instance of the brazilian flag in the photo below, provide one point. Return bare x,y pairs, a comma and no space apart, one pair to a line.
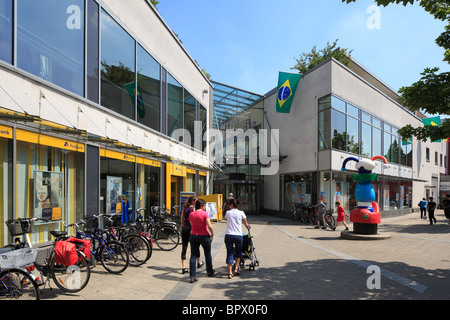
434,121
287,85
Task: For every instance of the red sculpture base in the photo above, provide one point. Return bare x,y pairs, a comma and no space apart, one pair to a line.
366,221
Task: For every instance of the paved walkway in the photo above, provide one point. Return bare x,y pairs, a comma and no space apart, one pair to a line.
296,262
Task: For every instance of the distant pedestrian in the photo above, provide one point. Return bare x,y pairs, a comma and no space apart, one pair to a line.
226,205
431,206
188,207
423,208
447,207
341,214
233,236
202,234
321,207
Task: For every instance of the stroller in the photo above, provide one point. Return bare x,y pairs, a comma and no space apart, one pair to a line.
248,252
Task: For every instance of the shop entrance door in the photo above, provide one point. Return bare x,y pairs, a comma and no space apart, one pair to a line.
247,194
176,184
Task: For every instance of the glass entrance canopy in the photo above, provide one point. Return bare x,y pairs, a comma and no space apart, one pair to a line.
231,103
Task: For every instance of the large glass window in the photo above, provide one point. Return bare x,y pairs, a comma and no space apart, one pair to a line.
338,130
189,116
203,119
376,142
148,183
6,30
6,195
117,68
352,135
149,90
174,105
50,41
92,42
366,137
38,169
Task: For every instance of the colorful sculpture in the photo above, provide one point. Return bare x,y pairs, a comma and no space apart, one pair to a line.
366,216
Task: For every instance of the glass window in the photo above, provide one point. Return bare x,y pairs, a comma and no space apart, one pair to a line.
174,105
148,187
324,129
376,142
203,119
92,42
66,199
6,195
338,130
337,104
149,90
366,117
6,30
324,103
120,174
353,111
50,41
366,140
376,122
189,117
117,59
427,154
352,135
387,146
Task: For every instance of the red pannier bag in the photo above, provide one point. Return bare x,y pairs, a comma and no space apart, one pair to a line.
86,245
65,253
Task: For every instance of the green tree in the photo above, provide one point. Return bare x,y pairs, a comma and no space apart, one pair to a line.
154,3
431,93
307,61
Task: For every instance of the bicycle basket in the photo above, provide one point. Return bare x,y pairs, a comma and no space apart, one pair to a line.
18,228
90,222
18,258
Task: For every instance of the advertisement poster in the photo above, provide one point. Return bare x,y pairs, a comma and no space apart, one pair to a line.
295,192
211,208
113,195
48,195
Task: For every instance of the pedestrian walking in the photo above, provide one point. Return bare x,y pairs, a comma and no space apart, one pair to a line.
202,234
431,206
341,214
321,207
447,207
233,236
188,207
226,205
423,208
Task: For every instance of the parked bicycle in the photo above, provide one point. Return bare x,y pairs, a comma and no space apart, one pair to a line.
328,219
112,254
164,233
301,212
138,245
69,278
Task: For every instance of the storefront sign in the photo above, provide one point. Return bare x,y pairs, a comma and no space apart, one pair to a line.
6,132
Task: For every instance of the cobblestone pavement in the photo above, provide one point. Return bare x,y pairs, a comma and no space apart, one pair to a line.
296,262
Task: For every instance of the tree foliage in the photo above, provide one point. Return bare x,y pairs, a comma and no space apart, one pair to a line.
432,92
307,61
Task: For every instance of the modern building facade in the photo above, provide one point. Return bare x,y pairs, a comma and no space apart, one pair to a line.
346,111
99,100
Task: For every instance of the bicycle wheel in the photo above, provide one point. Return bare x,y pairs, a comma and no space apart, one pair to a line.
71,278
138,248
304,216
114,256
330,220
17,284
312,217
166,238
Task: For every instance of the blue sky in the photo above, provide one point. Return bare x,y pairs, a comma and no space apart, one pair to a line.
246,43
